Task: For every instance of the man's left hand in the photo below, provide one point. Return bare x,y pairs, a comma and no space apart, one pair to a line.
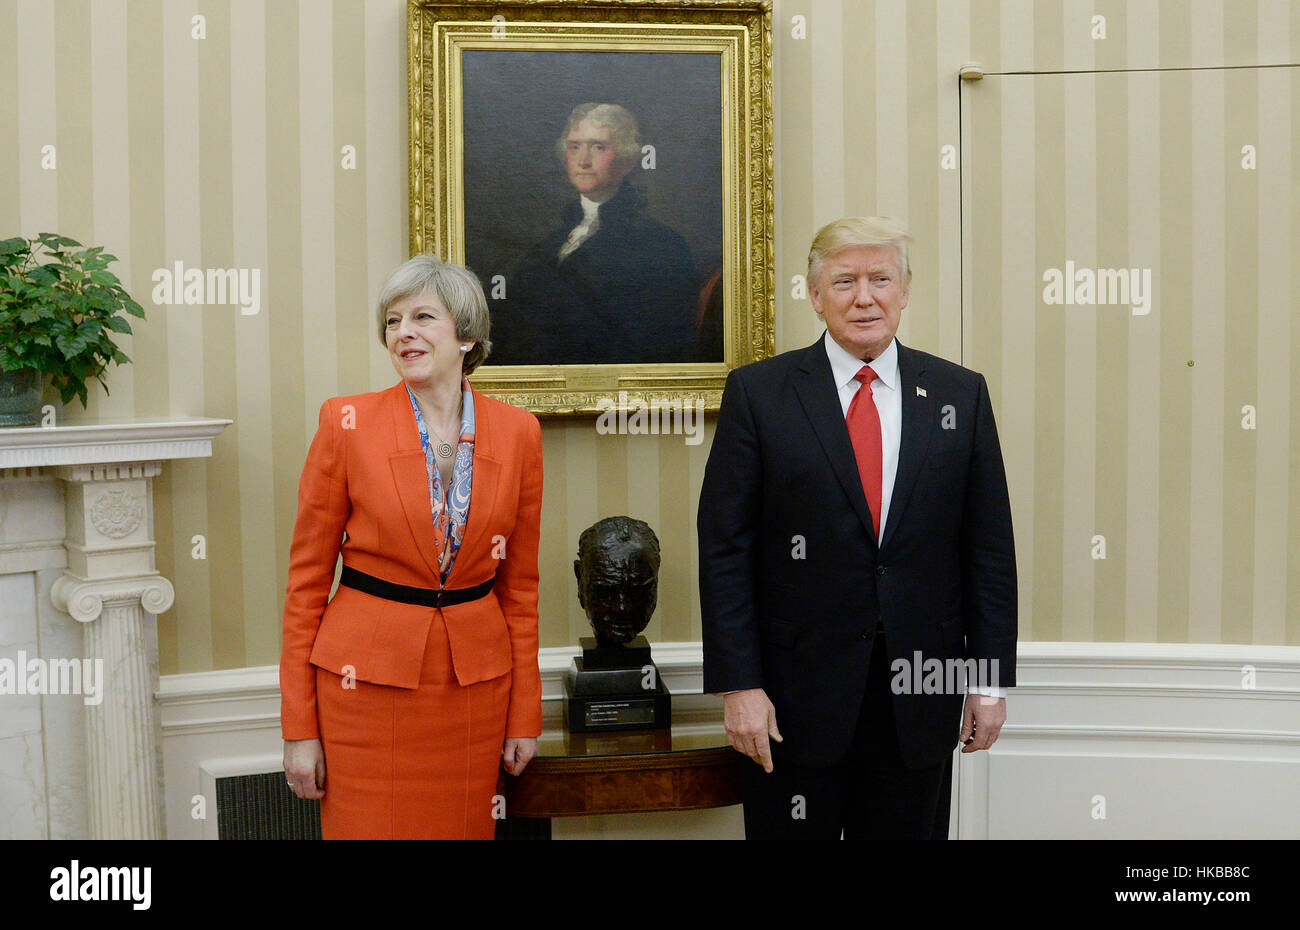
981,721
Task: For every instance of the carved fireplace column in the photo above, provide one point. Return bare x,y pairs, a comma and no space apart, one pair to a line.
109,584
101,524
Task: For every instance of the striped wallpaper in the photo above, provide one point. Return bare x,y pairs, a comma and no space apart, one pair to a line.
227,150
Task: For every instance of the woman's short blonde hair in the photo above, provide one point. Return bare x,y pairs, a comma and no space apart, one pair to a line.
460,292
860,230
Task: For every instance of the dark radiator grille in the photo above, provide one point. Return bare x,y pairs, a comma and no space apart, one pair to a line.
261,807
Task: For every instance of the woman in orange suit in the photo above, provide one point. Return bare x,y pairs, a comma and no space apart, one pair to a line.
404,694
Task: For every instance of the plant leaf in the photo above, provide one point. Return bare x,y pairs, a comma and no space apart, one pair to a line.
44,275
69,344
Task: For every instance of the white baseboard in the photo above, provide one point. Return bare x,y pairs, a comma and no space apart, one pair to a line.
1113,740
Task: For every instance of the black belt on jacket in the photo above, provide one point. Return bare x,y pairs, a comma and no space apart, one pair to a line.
425,597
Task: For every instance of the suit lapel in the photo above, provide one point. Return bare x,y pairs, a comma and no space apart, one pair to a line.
815,387
412,478
483,490
411,475
917,429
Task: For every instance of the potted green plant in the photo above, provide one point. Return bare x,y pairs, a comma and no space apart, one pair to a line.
58,305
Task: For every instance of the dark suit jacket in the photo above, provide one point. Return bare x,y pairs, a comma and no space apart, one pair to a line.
626,295
801,624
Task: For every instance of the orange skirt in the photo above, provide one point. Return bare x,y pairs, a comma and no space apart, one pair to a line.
417,763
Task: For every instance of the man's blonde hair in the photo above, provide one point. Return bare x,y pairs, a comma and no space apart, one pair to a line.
860,230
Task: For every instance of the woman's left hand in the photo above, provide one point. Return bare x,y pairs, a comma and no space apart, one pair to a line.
517,753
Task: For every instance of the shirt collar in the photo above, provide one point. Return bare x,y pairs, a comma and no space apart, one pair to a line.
590,208
844,366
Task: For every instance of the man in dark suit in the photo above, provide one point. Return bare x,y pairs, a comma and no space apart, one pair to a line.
610,284
850,541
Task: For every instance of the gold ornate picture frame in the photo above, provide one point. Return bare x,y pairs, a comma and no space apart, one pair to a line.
650,291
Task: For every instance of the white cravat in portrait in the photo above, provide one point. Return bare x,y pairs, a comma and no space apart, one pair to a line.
585,229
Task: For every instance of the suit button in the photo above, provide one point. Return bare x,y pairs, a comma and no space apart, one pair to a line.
880,569
866,635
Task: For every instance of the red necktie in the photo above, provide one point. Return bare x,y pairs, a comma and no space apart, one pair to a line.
863,422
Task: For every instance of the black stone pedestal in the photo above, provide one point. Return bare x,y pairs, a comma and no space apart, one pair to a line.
615,688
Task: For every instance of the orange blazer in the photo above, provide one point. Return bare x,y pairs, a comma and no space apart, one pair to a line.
365,477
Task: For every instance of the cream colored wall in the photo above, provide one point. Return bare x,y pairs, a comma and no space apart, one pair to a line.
225,151
1125,429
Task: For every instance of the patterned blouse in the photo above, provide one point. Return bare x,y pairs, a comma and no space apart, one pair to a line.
450,506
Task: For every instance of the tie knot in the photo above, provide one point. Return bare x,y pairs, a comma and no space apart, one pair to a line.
866,374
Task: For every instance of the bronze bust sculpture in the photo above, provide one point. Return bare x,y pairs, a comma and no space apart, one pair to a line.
618,577
614,684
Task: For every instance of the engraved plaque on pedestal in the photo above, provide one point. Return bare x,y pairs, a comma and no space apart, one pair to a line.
615,699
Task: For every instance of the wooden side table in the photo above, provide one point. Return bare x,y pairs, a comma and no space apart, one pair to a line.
686,767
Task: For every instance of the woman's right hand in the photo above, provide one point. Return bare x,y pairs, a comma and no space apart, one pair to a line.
304,767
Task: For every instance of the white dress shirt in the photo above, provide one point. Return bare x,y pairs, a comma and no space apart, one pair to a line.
888,395
887,392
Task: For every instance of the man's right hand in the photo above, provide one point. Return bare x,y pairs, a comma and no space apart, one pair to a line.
750,719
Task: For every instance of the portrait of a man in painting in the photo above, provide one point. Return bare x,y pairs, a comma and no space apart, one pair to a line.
597,242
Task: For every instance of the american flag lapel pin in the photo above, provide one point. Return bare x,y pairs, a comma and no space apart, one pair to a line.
920,391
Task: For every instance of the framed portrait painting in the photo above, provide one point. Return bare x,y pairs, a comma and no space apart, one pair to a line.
606,171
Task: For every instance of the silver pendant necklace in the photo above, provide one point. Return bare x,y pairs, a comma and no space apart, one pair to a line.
443,448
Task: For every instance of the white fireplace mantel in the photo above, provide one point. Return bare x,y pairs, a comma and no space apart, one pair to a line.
138,439
78,584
